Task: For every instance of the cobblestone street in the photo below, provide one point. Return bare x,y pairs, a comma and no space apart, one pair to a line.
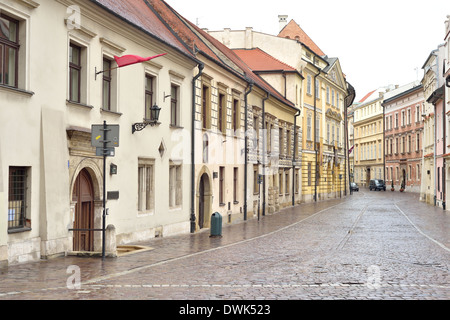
371,245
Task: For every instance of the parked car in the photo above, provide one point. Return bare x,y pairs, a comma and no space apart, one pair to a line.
377,184
354,186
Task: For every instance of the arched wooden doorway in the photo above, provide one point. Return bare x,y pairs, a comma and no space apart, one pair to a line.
83,197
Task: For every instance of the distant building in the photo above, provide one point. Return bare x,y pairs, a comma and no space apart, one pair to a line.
322,95
403,130
368,138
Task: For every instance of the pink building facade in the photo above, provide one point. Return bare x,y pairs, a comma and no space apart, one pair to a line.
403,130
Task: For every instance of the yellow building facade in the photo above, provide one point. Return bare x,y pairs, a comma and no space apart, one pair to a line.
368,138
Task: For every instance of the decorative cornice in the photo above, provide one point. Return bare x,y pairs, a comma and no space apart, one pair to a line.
30,3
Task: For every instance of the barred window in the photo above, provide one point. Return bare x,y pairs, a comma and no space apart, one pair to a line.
18,210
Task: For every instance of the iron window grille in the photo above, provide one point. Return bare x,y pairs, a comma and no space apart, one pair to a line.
17,199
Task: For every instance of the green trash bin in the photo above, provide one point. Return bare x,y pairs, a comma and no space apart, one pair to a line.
216,225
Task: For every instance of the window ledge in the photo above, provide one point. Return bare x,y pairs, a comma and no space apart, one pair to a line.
18,230
16,90
174,126
78,104
111,112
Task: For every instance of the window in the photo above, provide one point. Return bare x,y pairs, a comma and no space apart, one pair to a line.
206,100
280,141
408,118
297,180
317,87
18,195
222,113
396,120
417,113
149,81
328,95
332,134
256,132
74,73
280,182
9,51
255,179
286,182
221,185
106,105
235,184
418,142
308,128
236,115
288,143
328,133
332,97
175,185
308,84
174,106
146,196
317,129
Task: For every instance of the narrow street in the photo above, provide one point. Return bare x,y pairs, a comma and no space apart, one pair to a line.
371,245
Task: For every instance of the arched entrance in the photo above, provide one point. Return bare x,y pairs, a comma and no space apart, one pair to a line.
83,198
204,201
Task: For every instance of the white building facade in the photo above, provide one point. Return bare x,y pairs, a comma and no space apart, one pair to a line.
51,178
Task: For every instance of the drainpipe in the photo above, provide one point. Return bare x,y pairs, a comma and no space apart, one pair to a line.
293,156
200,70
314,132
250,88
264,151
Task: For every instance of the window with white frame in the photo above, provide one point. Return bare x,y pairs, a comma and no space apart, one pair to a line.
146,183
175,185
308,84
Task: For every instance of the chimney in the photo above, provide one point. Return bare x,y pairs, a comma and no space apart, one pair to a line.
282,19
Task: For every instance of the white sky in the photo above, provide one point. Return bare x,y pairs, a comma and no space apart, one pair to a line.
378,42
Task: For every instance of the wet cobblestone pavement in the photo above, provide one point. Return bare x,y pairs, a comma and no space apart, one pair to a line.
371,245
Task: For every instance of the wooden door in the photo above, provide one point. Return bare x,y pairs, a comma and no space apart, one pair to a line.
83,195
201,200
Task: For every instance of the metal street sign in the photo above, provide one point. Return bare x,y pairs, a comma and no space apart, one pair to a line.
109,152
98,134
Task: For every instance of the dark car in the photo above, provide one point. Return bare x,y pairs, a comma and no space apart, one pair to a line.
354,186
377,184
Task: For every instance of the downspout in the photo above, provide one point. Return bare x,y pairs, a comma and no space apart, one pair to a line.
264,151
250,88
293,157
436,72
200,70
314,132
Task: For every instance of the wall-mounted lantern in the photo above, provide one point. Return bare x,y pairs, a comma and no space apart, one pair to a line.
154,115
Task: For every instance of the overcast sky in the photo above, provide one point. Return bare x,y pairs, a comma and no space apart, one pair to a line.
377,42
